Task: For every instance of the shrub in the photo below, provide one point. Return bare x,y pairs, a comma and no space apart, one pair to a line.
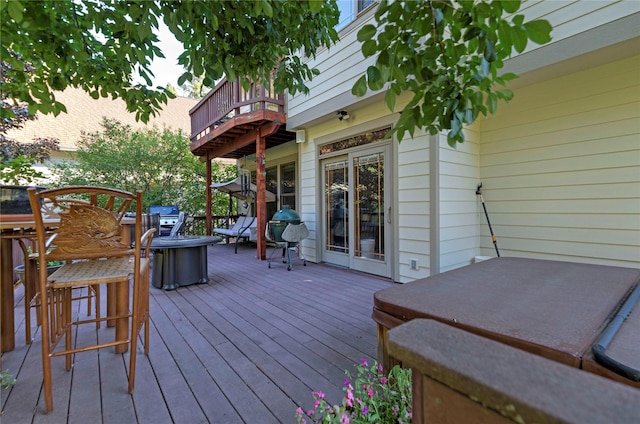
370,397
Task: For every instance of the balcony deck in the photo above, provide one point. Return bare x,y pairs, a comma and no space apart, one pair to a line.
227,121
249,346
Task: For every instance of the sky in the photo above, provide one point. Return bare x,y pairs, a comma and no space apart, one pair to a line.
167,70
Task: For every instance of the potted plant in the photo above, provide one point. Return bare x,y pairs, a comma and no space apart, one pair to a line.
52,266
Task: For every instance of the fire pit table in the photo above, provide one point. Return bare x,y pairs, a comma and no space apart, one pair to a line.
180,260
554,309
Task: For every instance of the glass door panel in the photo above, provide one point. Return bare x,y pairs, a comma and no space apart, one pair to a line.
368,174
336,211
370,201
355,198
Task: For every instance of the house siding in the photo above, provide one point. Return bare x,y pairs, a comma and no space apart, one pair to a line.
560,164
340,66
561,168
572,17
413,197
343,64
459,213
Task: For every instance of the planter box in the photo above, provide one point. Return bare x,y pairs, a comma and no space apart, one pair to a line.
19,270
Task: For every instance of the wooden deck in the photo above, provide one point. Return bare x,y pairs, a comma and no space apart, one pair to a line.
249,346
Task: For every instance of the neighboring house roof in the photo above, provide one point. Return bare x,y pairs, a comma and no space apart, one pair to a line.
85,114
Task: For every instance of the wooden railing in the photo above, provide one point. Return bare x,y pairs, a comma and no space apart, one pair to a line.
229,99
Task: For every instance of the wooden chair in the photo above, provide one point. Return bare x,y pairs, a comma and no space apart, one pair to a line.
84,227
32,290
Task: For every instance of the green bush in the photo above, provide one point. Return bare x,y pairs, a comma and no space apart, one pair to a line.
371,397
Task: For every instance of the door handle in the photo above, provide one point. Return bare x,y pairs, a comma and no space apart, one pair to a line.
389,215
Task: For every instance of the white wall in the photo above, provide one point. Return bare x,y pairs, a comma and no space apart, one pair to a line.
560,164
561,168
412,228
459,206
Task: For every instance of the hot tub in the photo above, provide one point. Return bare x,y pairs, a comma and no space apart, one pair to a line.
554,309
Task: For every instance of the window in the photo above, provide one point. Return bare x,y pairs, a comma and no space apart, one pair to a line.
281,181
288,185
349,10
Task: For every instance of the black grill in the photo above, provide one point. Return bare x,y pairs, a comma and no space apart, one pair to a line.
168,217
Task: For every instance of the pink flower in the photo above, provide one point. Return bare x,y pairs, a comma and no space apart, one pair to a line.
369,392
318,394
316,403
299,411
310,413
363,361
365,409
380,367
344,419
349,401
383,380
346,381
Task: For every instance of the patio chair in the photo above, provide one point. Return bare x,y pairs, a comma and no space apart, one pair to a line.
32,290
89,234
244,227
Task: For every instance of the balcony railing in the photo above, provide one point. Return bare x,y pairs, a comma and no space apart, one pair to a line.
229,99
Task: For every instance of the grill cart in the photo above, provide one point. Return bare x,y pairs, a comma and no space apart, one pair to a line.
286,231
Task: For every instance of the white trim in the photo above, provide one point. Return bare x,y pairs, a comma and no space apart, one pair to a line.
434,205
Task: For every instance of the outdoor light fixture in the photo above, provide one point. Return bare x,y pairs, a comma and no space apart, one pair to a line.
343,115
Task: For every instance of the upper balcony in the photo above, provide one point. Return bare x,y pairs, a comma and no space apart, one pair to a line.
225,121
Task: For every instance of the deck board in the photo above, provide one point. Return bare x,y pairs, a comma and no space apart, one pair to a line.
247,347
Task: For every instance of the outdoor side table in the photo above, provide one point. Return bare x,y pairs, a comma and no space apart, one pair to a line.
180,261
550,308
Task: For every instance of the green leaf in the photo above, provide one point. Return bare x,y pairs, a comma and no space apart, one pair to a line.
472,32
508,76
519,38
315,5
539,31
360,87
492,103
369,48
15,9
510,6
367,32
505,94
374,75
390,100
489,51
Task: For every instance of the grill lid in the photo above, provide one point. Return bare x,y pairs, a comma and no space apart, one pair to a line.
164,210
286,215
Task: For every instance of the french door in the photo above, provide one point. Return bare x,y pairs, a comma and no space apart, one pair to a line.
357,211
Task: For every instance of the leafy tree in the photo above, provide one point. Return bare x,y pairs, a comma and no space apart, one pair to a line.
448,54
195,88
17,159
101,46
156,161
171,89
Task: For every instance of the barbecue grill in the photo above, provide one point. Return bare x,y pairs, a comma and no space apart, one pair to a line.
286,231
168,217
